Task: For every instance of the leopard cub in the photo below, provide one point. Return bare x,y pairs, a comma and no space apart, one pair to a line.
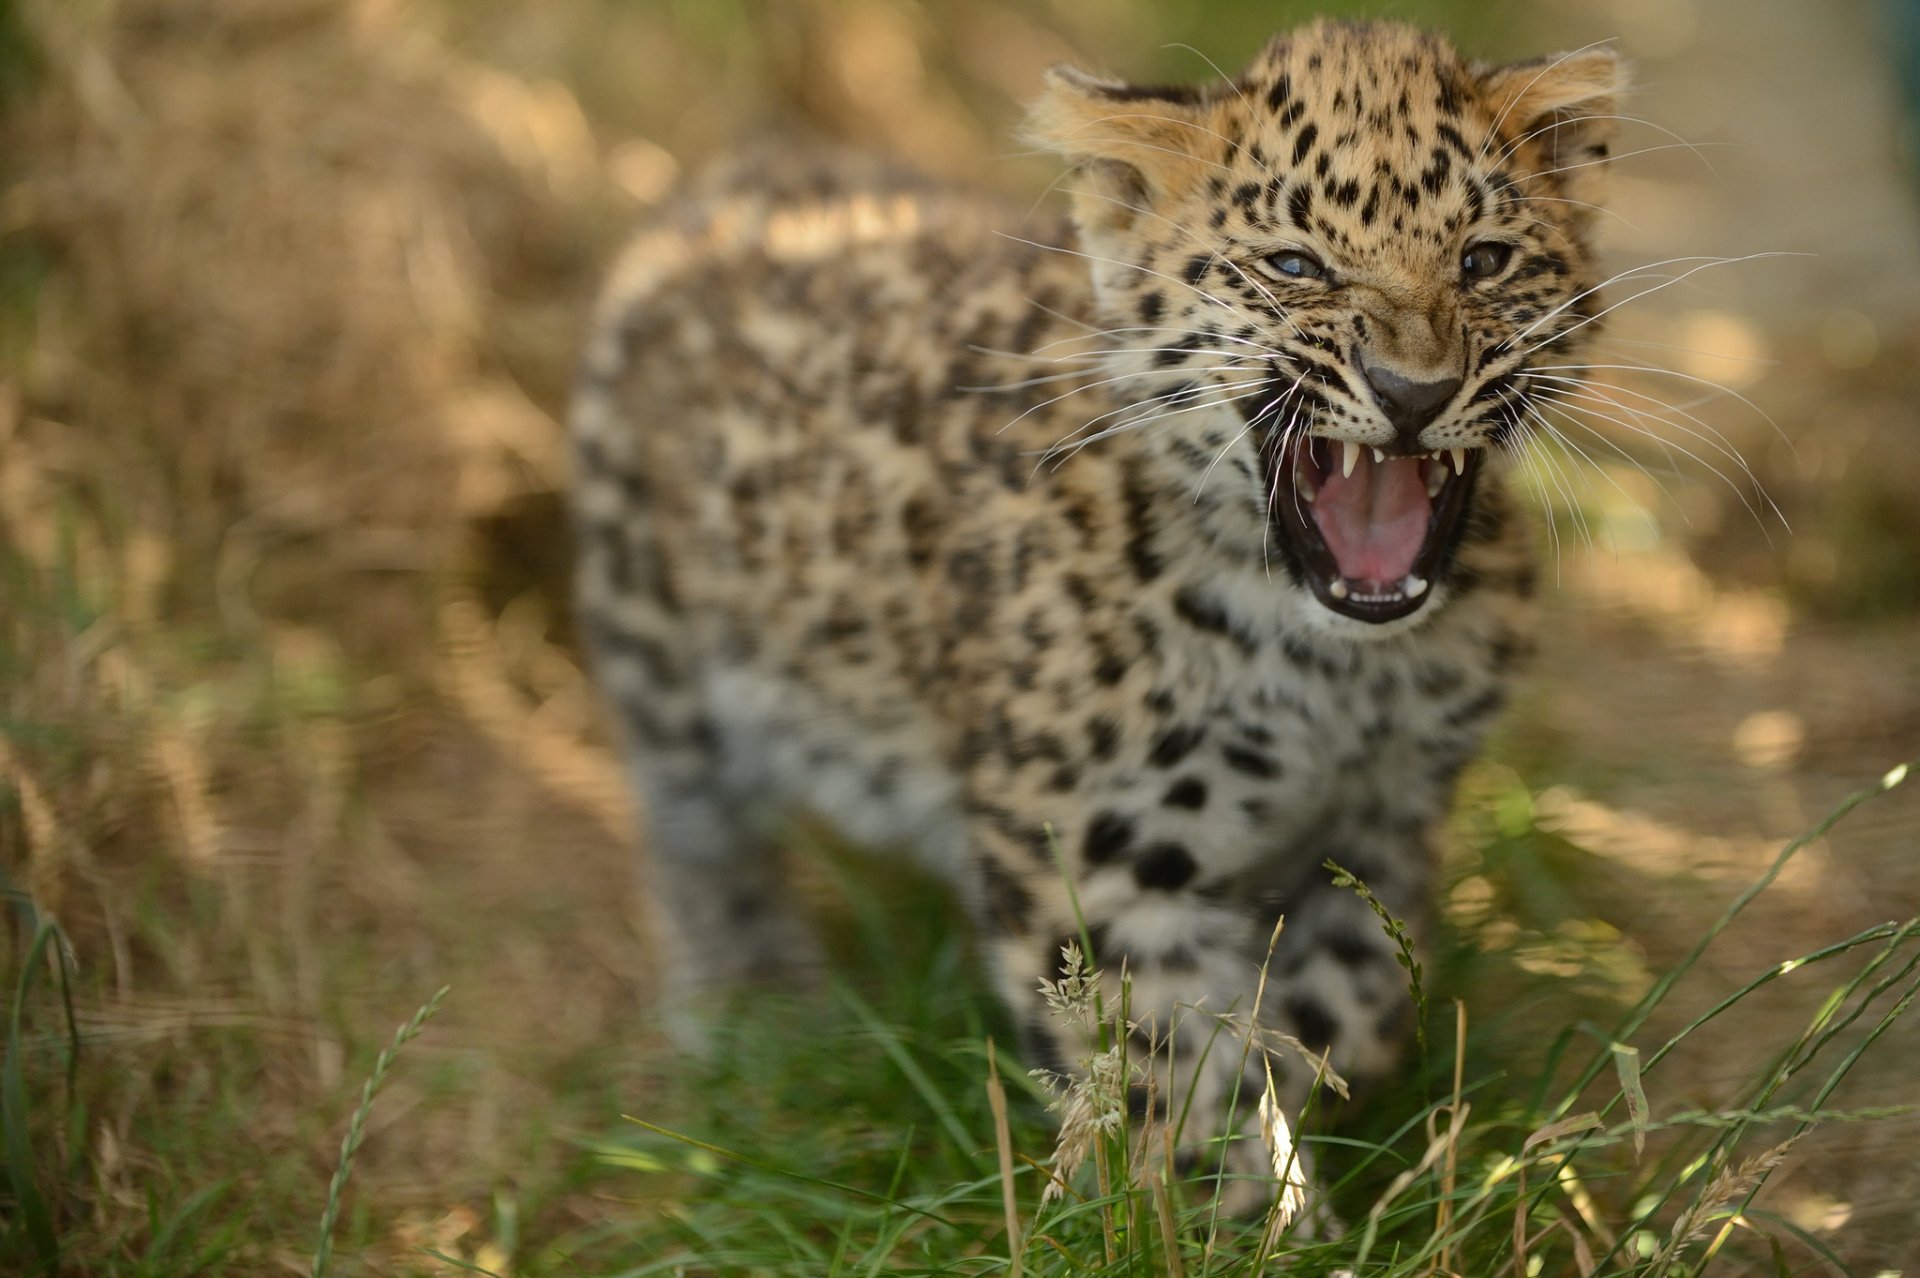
1171,544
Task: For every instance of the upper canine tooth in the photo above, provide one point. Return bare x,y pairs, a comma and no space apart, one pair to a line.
1459,460
1349,457
1303,486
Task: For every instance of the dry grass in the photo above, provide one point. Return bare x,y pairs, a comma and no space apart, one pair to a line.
311,299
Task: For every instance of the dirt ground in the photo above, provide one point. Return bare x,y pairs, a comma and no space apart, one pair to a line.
291,727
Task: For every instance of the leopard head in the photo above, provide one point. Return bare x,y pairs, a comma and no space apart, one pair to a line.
1321,279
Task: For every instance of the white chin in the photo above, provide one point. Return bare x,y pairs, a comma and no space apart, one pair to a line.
1326,621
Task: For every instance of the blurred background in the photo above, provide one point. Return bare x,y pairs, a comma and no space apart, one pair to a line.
293,730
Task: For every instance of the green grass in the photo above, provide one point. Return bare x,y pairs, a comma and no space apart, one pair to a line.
854,1132
860,1138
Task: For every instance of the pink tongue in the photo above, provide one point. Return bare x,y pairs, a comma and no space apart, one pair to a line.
1375,520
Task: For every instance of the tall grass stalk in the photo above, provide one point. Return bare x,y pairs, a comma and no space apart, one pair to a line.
357,1128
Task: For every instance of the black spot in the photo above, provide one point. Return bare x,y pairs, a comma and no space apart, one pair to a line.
1314,1024
1181,94
1187,792
1353,949
1109,667
1147,633
1165,867
744,904
1300,204
1439,680
1107,838
1170,356
1177,958
1080,590
1174,744
1198,265
921,524
1251,762
1304,143
1281,91
1138,495
1203,613
1476,709
1007,899
1079,517
1153,304
1508,651
886,778
1103,736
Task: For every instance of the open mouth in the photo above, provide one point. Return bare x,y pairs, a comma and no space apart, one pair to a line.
1371,532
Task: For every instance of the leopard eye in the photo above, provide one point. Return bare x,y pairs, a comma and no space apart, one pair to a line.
1485,260
1294,265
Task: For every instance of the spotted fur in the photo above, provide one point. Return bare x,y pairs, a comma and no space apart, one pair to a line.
963,533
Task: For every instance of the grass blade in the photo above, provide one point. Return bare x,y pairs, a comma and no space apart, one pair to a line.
1003,1141
1626,1062
357,1129
13,1111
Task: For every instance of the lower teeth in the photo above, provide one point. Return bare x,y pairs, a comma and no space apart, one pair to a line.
1410,587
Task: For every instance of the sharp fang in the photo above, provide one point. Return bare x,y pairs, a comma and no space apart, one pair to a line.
1303,487
1378,456
1459,460
1436,480
1338,589
1413,586
1349,457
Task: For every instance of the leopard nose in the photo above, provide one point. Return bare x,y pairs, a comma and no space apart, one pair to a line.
1409,405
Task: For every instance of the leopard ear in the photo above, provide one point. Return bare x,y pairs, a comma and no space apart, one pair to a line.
1569,100
1135,145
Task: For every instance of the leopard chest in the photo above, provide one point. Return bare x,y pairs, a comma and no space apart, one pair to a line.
1296,733
1229,740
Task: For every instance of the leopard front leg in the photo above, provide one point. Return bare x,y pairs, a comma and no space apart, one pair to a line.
1180,879
1164,913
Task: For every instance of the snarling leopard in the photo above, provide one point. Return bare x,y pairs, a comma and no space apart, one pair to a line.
1130,568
